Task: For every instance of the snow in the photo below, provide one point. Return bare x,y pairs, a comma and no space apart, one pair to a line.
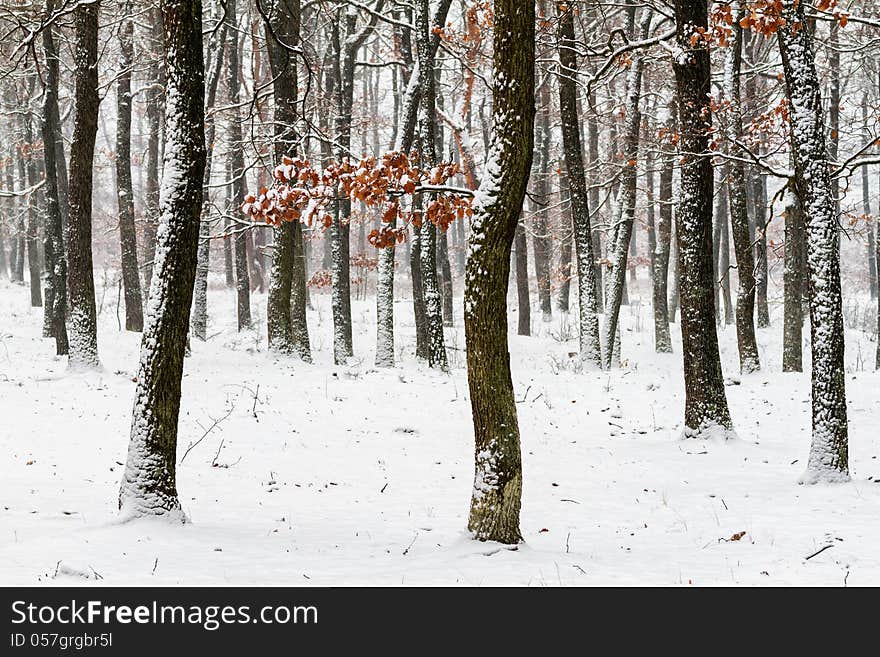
324,475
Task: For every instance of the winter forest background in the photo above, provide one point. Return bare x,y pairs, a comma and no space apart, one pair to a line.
451,291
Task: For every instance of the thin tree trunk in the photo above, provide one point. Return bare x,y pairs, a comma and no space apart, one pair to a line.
154,126
660,266
829,460
588,326
541,185
149,485
134,313
793,282
739,216
705,398
286,311
433,307
53,240
524,310
35,260
82,322
239,183
627,203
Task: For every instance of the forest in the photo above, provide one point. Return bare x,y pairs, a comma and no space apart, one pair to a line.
518,292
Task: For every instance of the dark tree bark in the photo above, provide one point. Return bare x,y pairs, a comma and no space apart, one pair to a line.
829,452
149,485
428,243
794,283
524,309
588,327
495,502
705,398
660,262
32,239
200,292
622,232
239,183
286,312
154,94
82,322
760,239
53,241
134,313
541,242
749,360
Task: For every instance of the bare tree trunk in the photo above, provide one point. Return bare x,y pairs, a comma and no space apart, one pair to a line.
705,398
541,185
149,486
53,241
588,326
239,183
623,232
35,261
286,311
154,125
660,262
497,492
131,283
82,322
793,282
524,310
829,460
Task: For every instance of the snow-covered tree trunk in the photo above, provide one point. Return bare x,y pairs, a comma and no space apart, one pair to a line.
660,262
869,219
497,492
153,111
828,459
236,161
286,310
216,47
521,259
627,201
149,482
706,407
131,282
793,283
82,321
32,237
749,360
588,326
427,119
541,239
53,240
760,221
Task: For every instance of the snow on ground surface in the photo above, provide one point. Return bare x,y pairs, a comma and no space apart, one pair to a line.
323,475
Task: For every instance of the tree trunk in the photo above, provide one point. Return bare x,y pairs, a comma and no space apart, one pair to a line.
705,399
495,501
660,262
286,311
541,185
433,307
82,322
739,215
149,485
53,241
200,293
793,282
35,261
627,196
829,460
239,183
154,126
588,326
134,314
524,309
760,240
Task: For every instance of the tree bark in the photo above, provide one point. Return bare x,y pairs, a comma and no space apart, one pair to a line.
705,399
286,311
53,241
154,126
793,282
149,485
524,309
239,182
134,313
495,502
588,326
82,322
829,458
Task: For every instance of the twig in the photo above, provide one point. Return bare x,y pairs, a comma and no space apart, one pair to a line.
819,551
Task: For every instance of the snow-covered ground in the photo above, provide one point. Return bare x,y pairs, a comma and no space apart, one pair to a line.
313,474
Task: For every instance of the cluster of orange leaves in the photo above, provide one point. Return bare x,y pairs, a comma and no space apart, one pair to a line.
480,20
301,193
